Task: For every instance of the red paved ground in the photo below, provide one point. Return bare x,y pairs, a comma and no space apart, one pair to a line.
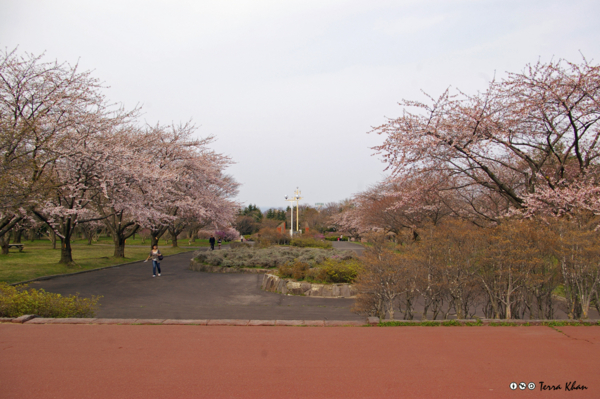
112,361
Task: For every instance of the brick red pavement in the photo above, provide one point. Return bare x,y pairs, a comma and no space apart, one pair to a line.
186,361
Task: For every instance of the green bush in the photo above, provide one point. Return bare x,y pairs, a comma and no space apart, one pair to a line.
340,271
310,242
18,301
296,270
335,238
328,271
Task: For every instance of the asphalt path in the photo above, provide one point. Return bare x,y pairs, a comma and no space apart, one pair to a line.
136,361
130,291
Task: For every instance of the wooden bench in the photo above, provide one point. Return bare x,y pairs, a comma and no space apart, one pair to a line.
20,246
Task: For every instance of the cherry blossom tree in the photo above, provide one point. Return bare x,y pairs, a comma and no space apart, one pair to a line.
41,103
534,133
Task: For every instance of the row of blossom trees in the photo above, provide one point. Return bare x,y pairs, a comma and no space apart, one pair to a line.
69,157
527,146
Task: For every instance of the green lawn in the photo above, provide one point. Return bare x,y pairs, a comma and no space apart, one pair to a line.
39,259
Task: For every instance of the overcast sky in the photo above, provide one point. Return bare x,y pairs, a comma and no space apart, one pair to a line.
291,88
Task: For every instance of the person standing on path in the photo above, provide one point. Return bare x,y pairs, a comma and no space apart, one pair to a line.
211,240
156,258
219,242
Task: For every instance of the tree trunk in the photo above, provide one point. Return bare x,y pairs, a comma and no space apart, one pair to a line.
66,255
174,241
155,235
4,244
119,241
17,236
53,239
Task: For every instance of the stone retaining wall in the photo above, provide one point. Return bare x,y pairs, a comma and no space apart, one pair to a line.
200,267
273,283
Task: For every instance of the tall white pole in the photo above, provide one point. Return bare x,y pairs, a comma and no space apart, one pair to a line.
292,225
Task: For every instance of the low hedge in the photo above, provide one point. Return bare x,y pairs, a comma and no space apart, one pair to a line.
18,301
331,270
335,238
270,257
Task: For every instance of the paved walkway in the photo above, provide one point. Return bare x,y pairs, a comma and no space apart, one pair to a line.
130,291
111,361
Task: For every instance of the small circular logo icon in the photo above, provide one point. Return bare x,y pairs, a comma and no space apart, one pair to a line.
513,385
531,386
522,386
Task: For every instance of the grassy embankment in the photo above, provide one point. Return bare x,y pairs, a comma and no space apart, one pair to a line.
39,259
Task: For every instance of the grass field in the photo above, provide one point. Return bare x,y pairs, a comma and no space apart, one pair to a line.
39,259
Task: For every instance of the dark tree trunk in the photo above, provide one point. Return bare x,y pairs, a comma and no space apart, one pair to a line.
155,235
90,236
4,244
53,239
17,236
119,246
66,254
174,241
6,225
120,237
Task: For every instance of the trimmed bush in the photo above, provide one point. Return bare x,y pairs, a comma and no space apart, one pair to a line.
340,271
296,270
335,238
18,301
328,271
269,257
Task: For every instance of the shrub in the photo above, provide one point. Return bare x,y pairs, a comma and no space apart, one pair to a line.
268,236
310,242
335,238
17,301
244,256
340,271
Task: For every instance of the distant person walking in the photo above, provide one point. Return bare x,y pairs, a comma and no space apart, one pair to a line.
211,240
156,258
219,242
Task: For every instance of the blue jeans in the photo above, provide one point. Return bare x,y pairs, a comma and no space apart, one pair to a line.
155,265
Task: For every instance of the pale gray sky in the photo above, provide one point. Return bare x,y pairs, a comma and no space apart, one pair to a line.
291,88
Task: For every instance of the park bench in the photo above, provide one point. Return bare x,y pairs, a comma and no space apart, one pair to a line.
20,246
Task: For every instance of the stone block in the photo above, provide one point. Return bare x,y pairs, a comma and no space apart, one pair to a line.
344,291
373,320
289,323
185,322
227,322
314,323
305,287
327,291
316,290
261,323
280,285
115,321
335,290
149,321
343,323
294,288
